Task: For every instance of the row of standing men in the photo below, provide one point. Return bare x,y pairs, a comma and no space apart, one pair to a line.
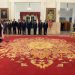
20,27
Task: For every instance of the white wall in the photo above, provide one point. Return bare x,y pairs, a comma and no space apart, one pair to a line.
36,5
4,4
22,7
39,7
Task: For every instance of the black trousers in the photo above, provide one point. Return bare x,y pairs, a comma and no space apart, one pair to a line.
24,31
45,31
1,40
35,31
14,30
19,30
9,31
40,31
74,29
5,30
29,31
0,36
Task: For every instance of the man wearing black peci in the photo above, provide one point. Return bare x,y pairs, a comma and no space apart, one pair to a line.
9,27
24,27
14,25
35,27
45,26
40,27
19,26
5,26
29,26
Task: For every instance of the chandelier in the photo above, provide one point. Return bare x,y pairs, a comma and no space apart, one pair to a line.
67,7
29,7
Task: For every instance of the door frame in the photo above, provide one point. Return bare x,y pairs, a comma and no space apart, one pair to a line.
22,14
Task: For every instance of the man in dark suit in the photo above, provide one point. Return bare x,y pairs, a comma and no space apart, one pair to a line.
29,26
35,27
5,26
9,27
45,26
14,25
24,27
40,24
19,26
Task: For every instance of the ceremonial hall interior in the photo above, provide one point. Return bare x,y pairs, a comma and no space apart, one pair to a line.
37,37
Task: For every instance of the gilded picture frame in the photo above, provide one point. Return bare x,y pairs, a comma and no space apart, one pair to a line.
4,13
51,14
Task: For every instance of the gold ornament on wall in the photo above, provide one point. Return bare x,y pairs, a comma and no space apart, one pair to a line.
51,14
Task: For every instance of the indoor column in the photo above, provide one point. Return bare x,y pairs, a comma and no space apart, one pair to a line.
58,17
43,11
11,9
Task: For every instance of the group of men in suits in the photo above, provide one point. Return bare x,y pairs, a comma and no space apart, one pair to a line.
20,27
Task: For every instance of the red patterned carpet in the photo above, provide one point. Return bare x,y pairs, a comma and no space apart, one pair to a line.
37,55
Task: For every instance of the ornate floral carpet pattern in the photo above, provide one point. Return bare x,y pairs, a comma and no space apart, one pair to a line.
37,55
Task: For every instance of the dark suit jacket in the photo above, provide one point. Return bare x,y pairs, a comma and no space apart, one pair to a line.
45,25
24,25
40,25
35,25
29,25
14,24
